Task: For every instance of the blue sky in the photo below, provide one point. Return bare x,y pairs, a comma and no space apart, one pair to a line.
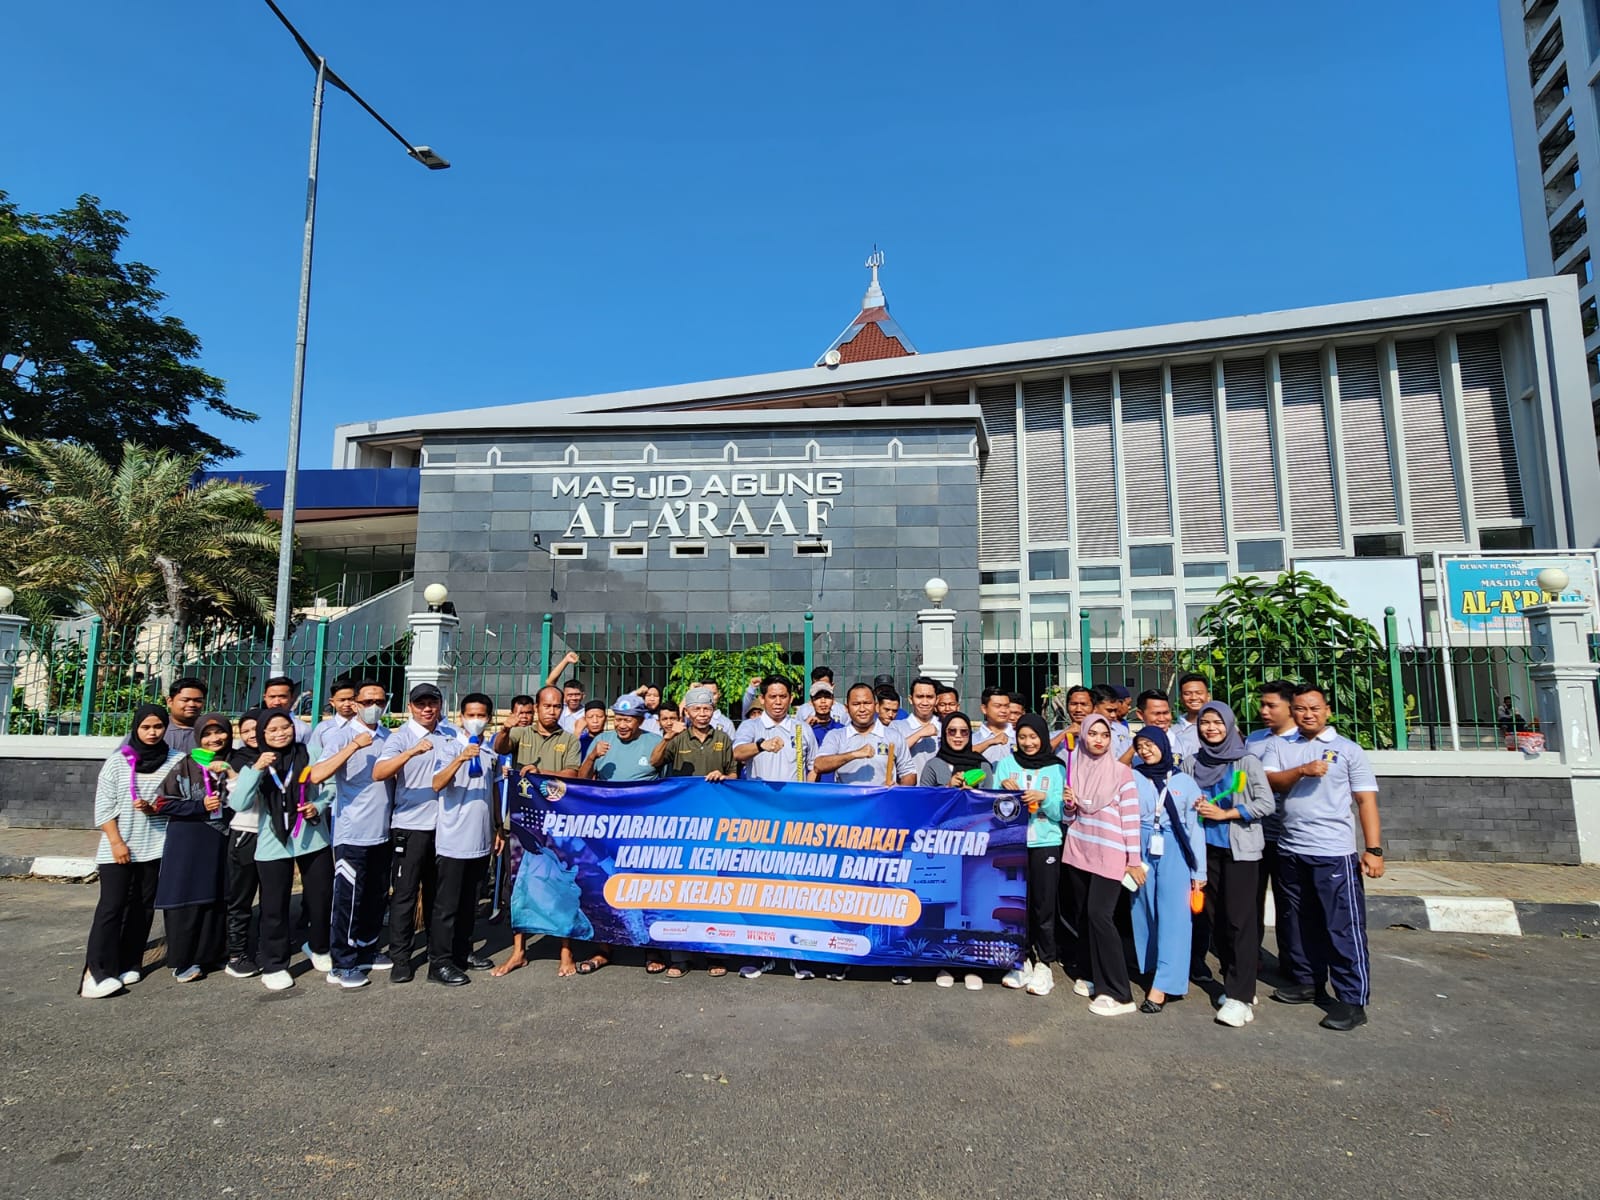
651,193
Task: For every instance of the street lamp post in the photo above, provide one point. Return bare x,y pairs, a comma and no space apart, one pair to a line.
428,158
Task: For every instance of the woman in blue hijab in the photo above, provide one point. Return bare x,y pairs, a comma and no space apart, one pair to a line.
1175,848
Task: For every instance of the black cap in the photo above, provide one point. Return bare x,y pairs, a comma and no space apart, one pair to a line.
881,680
426,691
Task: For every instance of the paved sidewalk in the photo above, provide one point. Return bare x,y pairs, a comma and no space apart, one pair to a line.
48,853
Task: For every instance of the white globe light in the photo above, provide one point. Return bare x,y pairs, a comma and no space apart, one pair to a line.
436,594
1553,581
6,597
936,589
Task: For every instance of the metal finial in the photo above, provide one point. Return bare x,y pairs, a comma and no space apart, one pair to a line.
874,296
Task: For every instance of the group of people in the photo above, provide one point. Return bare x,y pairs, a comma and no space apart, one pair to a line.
1170,829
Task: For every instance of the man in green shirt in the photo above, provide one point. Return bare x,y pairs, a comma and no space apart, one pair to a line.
701,749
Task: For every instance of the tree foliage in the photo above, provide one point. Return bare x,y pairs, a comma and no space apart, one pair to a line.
87,353
1299,629
731,670
135,537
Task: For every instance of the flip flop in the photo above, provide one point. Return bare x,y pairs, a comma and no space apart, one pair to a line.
590,965
677,972
716,972
654,967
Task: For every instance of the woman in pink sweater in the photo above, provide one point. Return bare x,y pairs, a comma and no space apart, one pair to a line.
1102,847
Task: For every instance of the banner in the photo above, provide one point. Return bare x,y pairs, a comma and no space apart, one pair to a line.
1485,594
902,876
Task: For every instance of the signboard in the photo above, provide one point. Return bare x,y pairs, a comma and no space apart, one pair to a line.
897,876
1484,594
713,504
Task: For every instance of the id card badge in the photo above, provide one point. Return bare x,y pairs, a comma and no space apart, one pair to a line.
1158,843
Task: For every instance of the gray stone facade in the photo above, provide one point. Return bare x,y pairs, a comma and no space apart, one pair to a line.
895,503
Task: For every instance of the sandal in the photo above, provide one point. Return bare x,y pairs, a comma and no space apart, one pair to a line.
654,966
1150,1006
676,972
590,965
716,970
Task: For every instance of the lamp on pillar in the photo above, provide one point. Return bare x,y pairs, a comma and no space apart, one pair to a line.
1563,674
1552,582
938,628
10,642
433,644
436,594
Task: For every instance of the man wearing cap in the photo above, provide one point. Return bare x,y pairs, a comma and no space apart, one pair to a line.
543,748
623,755
719,719
774,745
823,717
412,756
820,676
920,731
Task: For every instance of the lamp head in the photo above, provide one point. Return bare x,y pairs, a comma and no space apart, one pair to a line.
6,597
426,156
435,594
1552,581
936,590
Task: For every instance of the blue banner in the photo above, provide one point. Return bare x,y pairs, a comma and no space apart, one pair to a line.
1485,594
895,876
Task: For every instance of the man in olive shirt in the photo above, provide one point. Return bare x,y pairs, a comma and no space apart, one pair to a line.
543,748
701,749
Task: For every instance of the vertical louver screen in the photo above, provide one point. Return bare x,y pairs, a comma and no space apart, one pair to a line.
1313,508
1144,455
1047,460
1094,468
1435,495
1254,476
1199,466
1369,471
1496,483
997,477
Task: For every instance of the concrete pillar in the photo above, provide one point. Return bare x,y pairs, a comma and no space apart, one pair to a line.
1564,698
938,629
10,651
433,654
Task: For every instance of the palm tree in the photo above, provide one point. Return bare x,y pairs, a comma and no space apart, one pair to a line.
134,538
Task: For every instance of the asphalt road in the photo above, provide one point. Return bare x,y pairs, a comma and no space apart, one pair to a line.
1475,1078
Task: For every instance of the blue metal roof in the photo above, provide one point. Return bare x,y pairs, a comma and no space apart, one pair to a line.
357,487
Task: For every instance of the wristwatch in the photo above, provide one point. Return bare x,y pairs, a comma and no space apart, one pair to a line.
1375,851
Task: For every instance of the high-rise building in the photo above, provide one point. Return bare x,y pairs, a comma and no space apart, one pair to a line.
1553,77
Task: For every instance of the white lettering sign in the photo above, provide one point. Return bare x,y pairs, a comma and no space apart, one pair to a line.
681,507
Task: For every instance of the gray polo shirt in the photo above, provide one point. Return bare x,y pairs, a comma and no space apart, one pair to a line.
1319,811
777,765
360,804
1271,826
466,806
1184,738
416,804
982,733
920,751
866,772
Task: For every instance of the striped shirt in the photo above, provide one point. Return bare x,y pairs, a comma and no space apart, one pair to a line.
146,836
1106,842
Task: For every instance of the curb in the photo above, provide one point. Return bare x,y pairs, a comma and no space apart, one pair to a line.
1491,915
48,866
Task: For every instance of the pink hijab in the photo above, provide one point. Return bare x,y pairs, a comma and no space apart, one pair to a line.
1096,779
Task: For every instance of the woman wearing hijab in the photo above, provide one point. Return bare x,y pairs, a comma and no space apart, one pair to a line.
954,761
292,832
129,859
1102,849
1237,797
1033,769
240,873
190,896
1175,850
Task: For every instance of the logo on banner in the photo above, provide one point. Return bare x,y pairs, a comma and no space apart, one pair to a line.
1007,808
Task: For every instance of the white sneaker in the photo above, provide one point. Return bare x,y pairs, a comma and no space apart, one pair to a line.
322,962
382,963
188,974
945,979
1235,1013
750,971
129,978
1107,1006
973,982
1017,977
801,971
1082,987
1043,981
278,981
99,989
900,978
351,977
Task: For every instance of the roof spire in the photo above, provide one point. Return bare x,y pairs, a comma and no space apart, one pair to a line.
873,333
874,296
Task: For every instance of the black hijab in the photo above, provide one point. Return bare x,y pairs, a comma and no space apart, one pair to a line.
959,760
279,788
1046,757
246,754
147,760
1155,772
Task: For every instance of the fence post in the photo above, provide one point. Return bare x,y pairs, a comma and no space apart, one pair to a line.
433,653
1397,690
810,645
1083,647
319,668
11,625
938,628
1564,678
91,660
544,652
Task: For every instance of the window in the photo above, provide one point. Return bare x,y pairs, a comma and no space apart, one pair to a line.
628,549
1192,614
1520,538
1260,557
1380,545
1001,623
1100,579
747,549
569,550
999,578
1046,565
1205,573
1105,622
688,550
1149,560
1051,617
1154,614
813,549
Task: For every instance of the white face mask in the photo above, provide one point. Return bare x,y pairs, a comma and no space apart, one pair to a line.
371,715
474,726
